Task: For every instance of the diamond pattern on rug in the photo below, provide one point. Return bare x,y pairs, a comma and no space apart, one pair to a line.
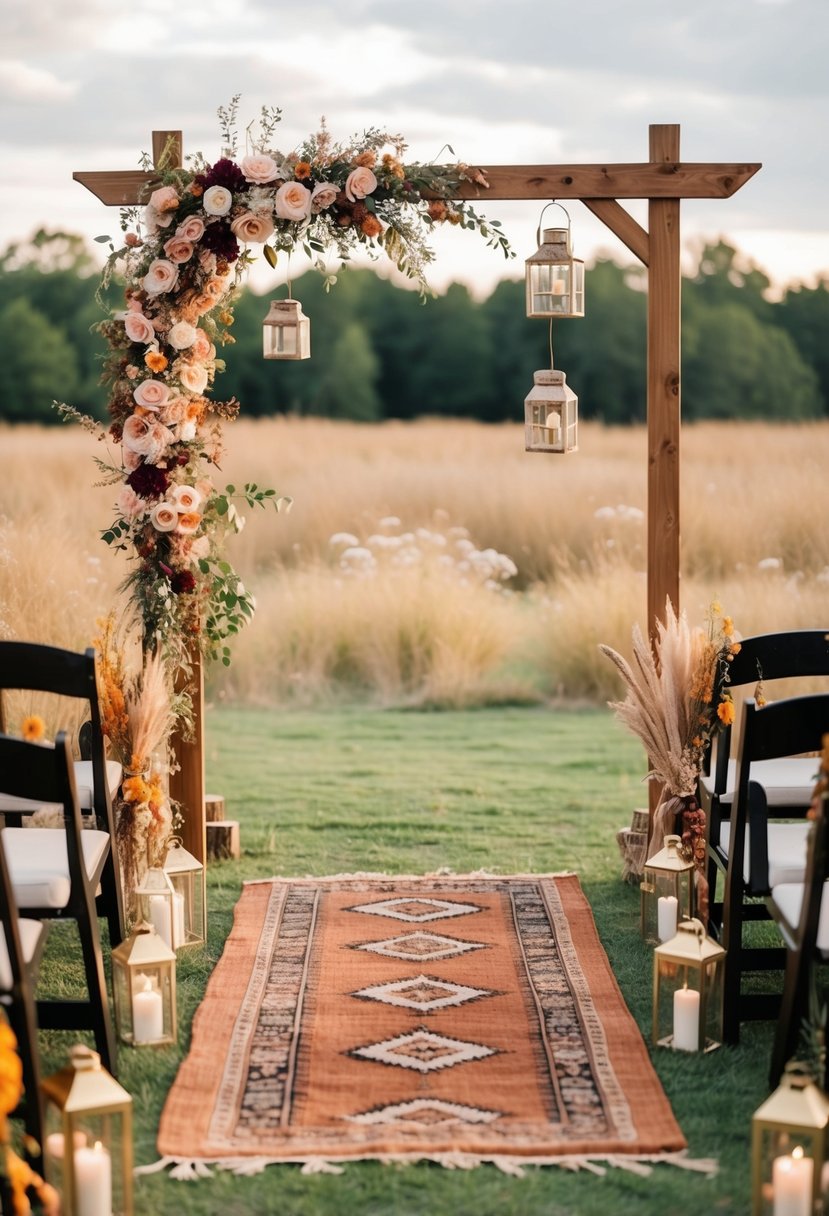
426,1112
423,1051
423,992
425,946
419,910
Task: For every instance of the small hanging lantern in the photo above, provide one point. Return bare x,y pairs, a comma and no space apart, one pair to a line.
667,889
551,414
144,988
687,990
186,873
161,906
88,1110
286,331
788,1152
554,278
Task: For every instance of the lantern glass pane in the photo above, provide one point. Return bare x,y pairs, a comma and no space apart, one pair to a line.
550,288
791,1168
188,887
92,1178
687,1004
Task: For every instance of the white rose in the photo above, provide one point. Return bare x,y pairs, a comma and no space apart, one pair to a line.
193,377
292,202
217,200
261,168
161,276
181,335
360,182
164,517
186,498
187,431
322,196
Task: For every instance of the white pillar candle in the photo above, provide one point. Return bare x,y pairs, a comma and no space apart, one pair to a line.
791,1184
179,935
686,1019
160,918
93,1181
666,916
558,287
147,1013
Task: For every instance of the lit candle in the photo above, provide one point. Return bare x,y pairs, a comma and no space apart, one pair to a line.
686,1020
179,935
666,913
93,1181
160,917
147,1012
558,287
791,1182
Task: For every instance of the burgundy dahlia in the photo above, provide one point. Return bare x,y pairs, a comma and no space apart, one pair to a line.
149,481
182,582
220,240
224,173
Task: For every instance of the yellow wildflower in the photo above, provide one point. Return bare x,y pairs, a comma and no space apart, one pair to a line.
726,712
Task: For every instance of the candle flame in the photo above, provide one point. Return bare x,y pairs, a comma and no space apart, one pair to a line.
99,1148
797,1153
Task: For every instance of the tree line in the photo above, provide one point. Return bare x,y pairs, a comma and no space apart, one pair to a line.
378,352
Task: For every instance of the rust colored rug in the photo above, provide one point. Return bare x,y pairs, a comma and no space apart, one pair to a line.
453,1019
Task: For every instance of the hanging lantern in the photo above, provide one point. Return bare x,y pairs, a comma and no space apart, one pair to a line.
667,889
788,1151
186,874
687,990
551,414
144,988
286,331
87,1109
161,906
554,278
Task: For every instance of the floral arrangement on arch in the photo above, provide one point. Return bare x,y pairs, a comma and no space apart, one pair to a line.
677,699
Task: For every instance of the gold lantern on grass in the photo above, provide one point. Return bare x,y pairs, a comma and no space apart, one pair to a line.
144,988
286,331
789,1169
687,990
88,1110
186,875
667,889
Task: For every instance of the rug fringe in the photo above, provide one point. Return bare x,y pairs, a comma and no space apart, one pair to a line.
191,1169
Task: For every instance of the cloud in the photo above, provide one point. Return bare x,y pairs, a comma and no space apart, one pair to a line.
20,83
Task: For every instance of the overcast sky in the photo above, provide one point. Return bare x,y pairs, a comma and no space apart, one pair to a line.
84,82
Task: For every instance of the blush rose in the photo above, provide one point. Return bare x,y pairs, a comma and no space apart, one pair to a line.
292,202
360,182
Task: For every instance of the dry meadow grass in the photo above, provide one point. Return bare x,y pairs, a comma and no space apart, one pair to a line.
426,617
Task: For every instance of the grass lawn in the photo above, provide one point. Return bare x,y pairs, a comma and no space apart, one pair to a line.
512,791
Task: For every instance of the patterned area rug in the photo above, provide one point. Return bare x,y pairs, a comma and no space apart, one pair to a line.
454,1019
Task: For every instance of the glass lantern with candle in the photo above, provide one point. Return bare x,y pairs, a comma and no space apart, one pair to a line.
687,990
667,891
551,414
186,874
88,1110
286,331
789,1170
554,278
144,988
160,905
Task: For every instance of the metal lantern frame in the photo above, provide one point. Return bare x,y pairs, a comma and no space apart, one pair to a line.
788,1147
667,892
286,331
186,874
87,1108
160,905
551,418
554,278
144,989
690,963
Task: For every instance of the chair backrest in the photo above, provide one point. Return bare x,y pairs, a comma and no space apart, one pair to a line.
791,727
795,654
37,772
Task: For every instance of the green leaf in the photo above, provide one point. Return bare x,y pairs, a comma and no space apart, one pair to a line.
102,240
230,489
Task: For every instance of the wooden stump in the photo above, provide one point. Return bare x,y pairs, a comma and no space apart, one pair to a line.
223,840
214,808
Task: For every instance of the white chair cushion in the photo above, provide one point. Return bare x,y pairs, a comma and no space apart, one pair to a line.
83,782
788,896
30,933
787,782
39,863
787,851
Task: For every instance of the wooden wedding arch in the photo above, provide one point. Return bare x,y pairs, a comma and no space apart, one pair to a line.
664,181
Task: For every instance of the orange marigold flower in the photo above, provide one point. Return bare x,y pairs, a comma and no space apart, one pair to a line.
437,210
733,649
726,712
302,170
196,190
371,226
33,728
368,159
155,361
393,166
135,789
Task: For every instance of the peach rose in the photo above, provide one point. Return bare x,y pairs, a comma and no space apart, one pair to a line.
138,327
146,436
188,523
202,348
181,335
292,202
151,394
217,200
322,196
164,517
192,229
193,377
178,250
161,276
259,169
186,498
360,182
175,409
164,199
250,227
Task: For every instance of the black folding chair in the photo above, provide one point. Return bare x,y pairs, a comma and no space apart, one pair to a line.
54,874
29,666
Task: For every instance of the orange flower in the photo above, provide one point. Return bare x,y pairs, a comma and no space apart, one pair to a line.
155,361
367,159
302,170
393,166
437,210
371,226
726,712
135,789
196,190
33,728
